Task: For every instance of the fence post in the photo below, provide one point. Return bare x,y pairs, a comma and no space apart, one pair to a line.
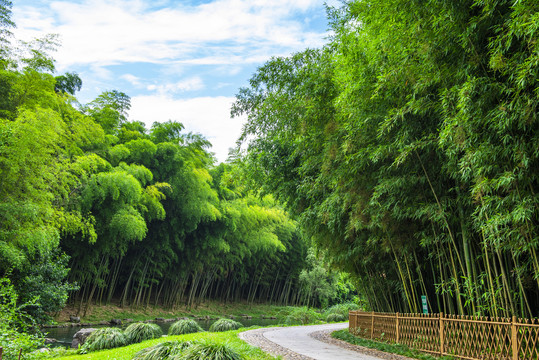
514,343
372,324
441,321
397,329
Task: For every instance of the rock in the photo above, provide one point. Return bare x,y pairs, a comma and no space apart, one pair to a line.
128,320
80,337
50,341
103,323
116,322
43,350
231,317
159,319
74,319
169,320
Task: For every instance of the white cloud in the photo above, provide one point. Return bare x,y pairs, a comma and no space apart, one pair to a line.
109,32
209,116
132,79
190,84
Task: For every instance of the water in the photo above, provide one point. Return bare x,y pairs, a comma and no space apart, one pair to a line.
64,335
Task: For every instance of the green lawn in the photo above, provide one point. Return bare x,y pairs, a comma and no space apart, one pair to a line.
125,353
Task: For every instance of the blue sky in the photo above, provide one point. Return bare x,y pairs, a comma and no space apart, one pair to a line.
178,60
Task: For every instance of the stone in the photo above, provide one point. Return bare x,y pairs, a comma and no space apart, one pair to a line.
50,341
74,319
116,322
80,337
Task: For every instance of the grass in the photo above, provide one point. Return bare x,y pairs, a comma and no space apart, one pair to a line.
162,350
138,332
214,309
398,349
225,325
186,326
208,350
105,338
126,353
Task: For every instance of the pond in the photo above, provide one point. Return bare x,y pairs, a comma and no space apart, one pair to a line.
64,335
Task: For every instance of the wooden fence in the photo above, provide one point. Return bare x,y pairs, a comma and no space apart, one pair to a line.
463,337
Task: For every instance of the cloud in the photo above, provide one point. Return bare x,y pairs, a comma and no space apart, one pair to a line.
206,115
190,84
117,31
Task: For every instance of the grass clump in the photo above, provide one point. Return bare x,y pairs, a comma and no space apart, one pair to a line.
104,338
164,350
138,332
225,325
303,315
209,350
186,326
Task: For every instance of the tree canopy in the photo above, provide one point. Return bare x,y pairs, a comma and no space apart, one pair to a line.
407,147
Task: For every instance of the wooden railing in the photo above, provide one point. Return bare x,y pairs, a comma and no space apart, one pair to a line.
462,337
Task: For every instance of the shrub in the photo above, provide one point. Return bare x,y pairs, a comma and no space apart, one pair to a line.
302,315
335,317
341,309
209,351
138,332
164,350
105,338
186,326
225,325
15,325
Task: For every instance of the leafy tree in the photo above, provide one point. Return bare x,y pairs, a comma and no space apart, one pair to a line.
68,83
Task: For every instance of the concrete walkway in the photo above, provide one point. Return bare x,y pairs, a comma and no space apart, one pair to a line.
297,339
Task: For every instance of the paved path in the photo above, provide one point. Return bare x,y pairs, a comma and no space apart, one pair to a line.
297,340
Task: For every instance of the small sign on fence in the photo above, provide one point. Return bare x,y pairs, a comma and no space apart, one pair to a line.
424,303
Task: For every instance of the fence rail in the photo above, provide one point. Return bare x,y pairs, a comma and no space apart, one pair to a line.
464,337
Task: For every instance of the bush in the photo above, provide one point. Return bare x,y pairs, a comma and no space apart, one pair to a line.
335,317
164,350
339,312
15,325
209,351
303,316
186,326
105,338
225,325
138,332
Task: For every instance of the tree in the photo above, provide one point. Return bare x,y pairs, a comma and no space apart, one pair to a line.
68,83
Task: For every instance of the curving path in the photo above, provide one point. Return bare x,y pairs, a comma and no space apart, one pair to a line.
295,342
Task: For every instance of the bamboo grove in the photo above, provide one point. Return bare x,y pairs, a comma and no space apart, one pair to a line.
408,149
101,209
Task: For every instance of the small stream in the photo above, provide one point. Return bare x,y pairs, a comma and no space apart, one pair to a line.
64,335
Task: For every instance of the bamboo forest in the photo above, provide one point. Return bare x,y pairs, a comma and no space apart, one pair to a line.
398,160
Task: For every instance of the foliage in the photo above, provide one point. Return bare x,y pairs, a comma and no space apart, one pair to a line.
104,338
184,326
406,149
15,330
138,332
225,325
209,350
335,317
303,316
339,312
388,348
164,350
230,337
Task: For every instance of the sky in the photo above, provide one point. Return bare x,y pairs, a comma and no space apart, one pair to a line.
177,60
